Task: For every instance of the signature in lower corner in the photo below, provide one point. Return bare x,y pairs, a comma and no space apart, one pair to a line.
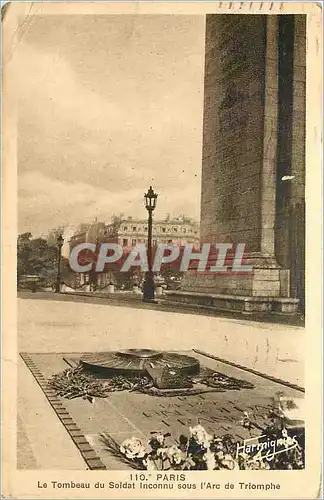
257,449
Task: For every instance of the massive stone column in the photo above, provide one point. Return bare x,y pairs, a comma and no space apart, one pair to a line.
290,201
239,202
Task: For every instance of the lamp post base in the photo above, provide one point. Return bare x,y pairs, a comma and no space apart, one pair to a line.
150,301
148,288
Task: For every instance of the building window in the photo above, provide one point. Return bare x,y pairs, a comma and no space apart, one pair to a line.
175,229
133,243
184,230
169,241
125,228
125,242
134,228
163,229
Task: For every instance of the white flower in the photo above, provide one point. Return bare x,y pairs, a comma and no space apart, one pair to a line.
160,439
200,435
149,464
229,462
175,455
209,458
218,444
243,455
286,440
220,455
264,465
162,452
133,448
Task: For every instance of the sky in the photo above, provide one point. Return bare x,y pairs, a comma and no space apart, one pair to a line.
107,106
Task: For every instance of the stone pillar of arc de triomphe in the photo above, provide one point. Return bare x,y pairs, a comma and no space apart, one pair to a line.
254,139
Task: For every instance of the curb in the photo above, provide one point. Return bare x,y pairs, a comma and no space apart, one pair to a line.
88,453
251,370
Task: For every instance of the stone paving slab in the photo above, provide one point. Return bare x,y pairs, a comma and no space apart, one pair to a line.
126,414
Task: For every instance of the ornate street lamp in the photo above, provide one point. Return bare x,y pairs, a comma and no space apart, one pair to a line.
60,241
148,289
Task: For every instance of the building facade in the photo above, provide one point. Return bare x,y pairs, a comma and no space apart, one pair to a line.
129,232
174,231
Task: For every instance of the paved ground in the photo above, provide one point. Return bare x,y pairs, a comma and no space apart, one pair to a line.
125,414
74,326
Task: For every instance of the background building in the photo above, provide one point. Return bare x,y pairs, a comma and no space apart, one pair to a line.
176,231
128,232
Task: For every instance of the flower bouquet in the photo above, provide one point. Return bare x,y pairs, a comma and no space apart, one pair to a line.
204,451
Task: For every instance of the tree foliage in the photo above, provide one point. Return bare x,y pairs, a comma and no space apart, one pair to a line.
36,257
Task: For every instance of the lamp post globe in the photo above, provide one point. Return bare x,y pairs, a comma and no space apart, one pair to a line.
59,241
150,199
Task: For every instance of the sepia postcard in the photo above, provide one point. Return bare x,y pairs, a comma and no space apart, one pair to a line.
162,250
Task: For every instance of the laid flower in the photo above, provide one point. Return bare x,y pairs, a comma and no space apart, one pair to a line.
157,440
253,465
163,452
133,448
175,455
150,464
264,465
160,438
229,463
246,421
284,433
202,451
188,464
183,442
286,440
229,444
243,455
209,458
258,465
217,444
200,435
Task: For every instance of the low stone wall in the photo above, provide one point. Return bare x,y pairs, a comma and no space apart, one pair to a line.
245,304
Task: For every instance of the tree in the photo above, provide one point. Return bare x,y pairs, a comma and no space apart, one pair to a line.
35,257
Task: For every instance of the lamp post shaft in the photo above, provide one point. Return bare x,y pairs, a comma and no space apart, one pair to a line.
149,242
58,276
149,294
